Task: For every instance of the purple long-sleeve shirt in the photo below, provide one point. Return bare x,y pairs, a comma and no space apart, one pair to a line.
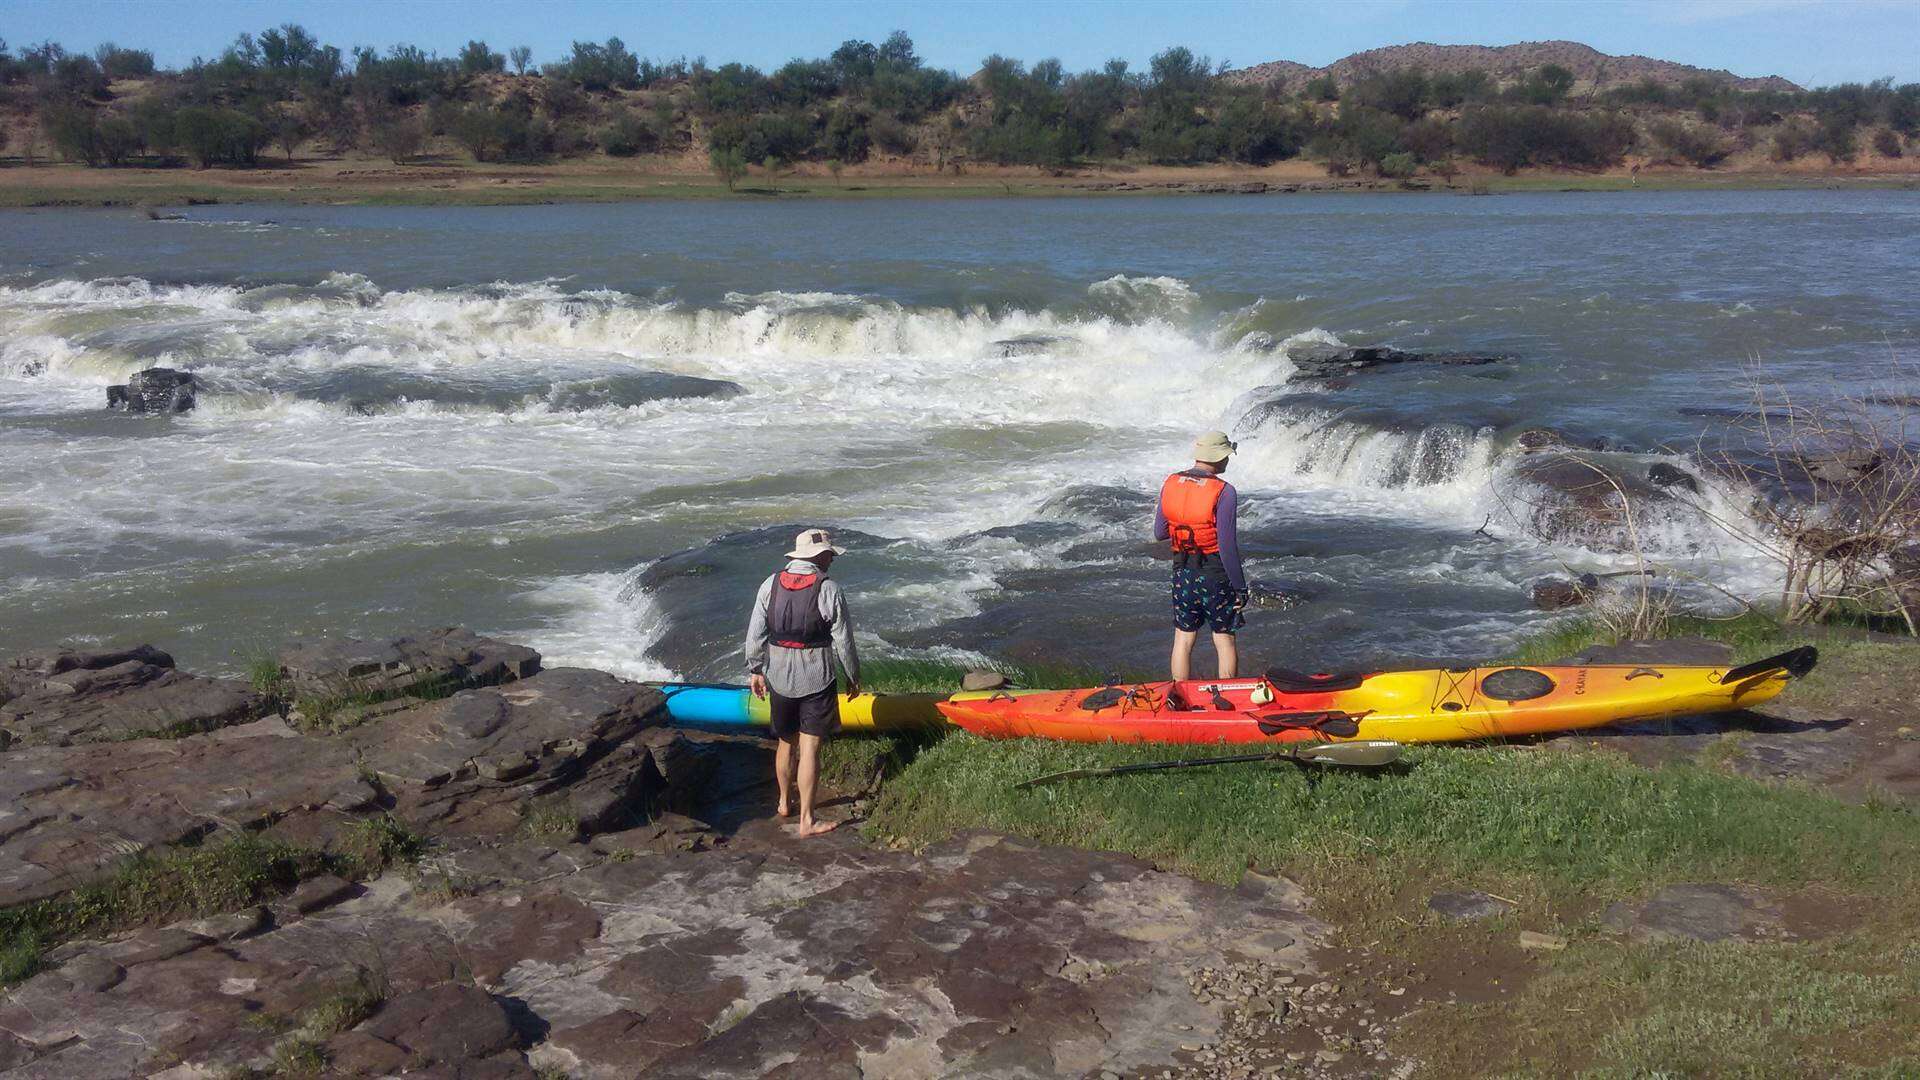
1226,514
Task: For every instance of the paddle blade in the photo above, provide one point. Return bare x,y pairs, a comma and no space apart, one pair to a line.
1359,754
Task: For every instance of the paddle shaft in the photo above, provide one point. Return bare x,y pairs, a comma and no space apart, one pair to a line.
1303,752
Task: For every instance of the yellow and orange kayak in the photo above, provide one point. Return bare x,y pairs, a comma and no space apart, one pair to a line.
1443,705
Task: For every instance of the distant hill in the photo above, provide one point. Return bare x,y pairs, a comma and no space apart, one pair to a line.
1592,69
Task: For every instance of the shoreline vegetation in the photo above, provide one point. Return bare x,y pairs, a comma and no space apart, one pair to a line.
360,182
281,117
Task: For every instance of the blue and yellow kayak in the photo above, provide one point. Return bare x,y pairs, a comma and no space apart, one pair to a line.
718,705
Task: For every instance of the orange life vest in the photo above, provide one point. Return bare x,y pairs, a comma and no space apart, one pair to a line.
1187,502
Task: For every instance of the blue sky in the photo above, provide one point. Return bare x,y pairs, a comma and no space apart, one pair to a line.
1812,42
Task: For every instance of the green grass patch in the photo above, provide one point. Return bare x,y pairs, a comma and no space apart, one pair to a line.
1563,832
550,818
207,879
1842,1007
1578,822
351,1003
1751,635
331,714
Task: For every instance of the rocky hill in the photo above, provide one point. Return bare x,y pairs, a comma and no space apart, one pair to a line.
1592,69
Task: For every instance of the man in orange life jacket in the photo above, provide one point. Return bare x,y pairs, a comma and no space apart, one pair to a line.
799,626
1198,513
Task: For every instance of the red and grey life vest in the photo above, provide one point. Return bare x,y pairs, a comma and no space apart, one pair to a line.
1187,501
793,613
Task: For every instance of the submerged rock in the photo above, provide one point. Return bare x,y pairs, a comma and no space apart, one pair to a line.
1276,596
1661,474
1026,345
1322,360
1536,439
1553,594
155,390
1584,498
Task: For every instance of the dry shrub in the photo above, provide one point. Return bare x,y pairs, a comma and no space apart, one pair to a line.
1835,489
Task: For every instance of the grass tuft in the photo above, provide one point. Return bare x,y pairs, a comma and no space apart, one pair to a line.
550,818
344,1008
299,1056
192,881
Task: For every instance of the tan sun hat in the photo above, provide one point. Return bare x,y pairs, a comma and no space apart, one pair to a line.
814,542
1213,446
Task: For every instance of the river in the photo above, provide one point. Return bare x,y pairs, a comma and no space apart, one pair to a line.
594,428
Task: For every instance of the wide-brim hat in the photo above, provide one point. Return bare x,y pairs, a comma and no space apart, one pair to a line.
814,542
1213,446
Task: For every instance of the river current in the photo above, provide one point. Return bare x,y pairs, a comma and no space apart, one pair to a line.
595,428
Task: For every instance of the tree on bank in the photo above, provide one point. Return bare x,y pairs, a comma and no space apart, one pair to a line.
868,99
728,164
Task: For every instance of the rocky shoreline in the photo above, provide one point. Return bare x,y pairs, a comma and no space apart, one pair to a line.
598,895
586,892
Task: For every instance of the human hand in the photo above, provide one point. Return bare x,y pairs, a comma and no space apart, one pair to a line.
1241,597
758,684
853,690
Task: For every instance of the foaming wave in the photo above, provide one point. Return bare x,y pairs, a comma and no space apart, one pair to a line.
874,356
603,621
1144,297
1326,446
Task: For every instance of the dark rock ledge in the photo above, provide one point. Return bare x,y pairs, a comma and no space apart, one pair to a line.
565,919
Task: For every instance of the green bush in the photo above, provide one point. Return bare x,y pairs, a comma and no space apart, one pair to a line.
399,137
1398,166
1886,143
1257,132
118,63
1511,137
1837,140
846,138
892,136
599,67
212,136
627,135
1428,139
1794,139
1696,144
728,164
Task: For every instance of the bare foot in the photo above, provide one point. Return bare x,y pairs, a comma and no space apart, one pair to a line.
785,810
814,828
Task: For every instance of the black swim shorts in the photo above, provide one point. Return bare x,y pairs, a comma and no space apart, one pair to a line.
815,714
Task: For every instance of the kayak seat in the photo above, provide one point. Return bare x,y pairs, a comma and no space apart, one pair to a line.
1300,682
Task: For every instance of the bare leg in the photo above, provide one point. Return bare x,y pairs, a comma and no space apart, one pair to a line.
1227,649
783,775
1183,653
809,781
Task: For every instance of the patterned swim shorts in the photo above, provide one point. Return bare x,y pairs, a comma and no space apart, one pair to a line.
1202,597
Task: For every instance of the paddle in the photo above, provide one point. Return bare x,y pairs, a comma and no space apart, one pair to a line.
1361,754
